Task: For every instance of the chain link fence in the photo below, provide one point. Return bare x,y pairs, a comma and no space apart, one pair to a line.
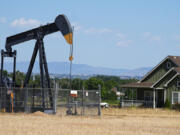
85,102
54,100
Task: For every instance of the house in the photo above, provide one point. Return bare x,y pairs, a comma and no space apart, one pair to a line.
160,84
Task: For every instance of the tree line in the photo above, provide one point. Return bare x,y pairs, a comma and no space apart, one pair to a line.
109,84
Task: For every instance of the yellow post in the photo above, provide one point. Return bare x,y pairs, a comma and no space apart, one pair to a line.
12,96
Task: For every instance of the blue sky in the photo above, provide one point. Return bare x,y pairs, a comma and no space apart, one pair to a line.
108,33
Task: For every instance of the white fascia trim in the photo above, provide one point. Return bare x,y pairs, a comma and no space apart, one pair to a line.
159,88
165,85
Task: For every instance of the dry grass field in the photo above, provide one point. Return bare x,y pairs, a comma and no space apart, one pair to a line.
112,122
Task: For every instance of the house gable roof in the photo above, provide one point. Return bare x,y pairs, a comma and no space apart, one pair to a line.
174,59
176,69
152,85
140,84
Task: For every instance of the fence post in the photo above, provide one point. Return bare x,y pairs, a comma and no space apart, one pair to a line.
99,102
132,98
26,100
154,99
55,98
1,100
43,98
4,99
82,101
33,93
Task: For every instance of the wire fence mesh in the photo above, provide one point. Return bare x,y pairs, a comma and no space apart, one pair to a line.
54,100
86,102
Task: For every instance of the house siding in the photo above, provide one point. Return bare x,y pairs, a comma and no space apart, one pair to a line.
165,79
158,73
172,87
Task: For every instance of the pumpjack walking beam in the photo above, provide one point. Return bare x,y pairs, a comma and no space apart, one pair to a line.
61,24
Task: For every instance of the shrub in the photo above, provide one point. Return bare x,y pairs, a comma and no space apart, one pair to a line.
167,104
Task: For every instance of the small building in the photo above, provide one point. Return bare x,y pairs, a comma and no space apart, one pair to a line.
160,84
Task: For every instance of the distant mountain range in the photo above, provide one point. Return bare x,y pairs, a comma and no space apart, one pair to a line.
80,69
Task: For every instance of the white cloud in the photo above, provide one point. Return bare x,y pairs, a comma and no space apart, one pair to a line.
146,34
97,31
124,43
2,20
152,38
155,38
121,36
22,22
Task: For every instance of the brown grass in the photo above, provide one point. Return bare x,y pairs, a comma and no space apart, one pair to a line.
112,122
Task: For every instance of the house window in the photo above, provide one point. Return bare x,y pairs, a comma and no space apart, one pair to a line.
175,97
178,84
168,65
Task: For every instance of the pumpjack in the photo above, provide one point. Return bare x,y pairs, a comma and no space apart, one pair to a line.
61,24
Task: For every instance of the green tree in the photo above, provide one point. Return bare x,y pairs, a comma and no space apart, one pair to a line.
93,83
167,104
77,84
64,83
111,84
20,77
108,78
5,73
